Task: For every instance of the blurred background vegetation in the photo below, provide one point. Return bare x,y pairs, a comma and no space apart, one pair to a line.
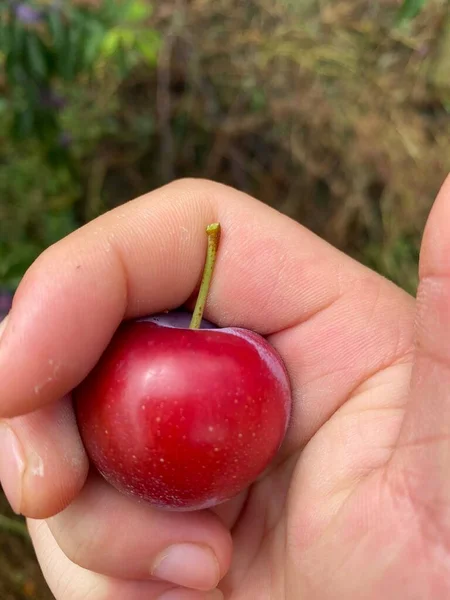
336,112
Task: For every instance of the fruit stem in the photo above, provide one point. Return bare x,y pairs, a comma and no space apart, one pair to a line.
213,233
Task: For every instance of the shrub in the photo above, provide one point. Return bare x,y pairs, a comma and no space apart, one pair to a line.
61,64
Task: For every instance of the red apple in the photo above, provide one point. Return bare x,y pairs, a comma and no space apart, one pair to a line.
184,418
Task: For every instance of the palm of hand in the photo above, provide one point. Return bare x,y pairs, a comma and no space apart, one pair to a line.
344,499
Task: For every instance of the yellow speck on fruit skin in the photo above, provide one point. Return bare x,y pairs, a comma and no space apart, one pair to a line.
161,460
210,428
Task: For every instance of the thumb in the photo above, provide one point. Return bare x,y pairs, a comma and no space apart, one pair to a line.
422,456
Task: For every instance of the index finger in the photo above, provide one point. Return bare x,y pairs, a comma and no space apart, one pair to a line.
147,256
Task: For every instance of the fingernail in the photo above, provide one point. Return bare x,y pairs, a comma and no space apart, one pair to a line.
189,565
12,466
3,324
188,595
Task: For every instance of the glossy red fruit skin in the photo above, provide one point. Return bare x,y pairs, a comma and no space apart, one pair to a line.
184,419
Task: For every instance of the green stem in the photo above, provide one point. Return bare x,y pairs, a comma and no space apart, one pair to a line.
12,526
213,232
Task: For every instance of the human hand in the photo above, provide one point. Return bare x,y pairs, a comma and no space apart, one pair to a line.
356,504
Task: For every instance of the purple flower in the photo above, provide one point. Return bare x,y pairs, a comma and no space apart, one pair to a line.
5,303
423,50
27,14
50,99
65,139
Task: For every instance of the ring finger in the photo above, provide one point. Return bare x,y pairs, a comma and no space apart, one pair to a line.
69,581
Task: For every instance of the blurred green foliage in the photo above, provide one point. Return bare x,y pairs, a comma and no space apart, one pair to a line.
61,64
410,9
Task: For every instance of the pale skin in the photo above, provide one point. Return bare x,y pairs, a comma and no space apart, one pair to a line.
356,504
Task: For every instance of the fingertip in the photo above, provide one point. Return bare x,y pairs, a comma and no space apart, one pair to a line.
435,250
180,594
189,565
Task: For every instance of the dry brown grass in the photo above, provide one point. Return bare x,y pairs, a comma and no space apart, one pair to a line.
327,111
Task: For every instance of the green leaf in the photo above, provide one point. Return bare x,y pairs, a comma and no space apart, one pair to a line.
258,99
17,39
110,11
5,36
409,9
36,58
23,124
14,70
30,91
94,35
58,224
57,30
123,59
149,44
111,42
46,126
137,11
117,38
69,57
13,264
